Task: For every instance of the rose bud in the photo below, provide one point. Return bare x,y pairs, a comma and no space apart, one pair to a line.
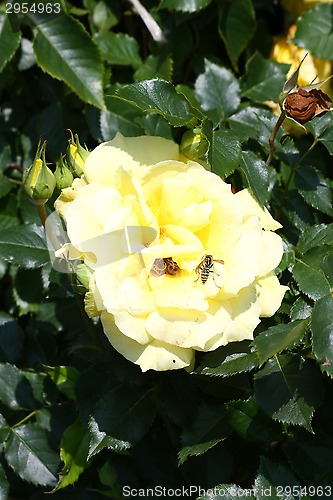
63,176
303,105
194,144
76,155
38,180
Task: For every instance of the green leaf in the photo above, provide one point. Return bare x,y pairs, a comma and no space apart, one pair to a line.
278,338
228,360
24,246
65,51
314,188
9,40
315,31
155,67
185,5
74,453
288,389
119,48
300,309
11,338
218,92
5,185
264,79
315,236
224,153
327,267
64,377
238,27
30,455
7,221
322,333
275,481
158,96
208,428
254,123
322,129
100,440
4,484
251,423
256,173
309,276
125,413
311,456
15,390
28,290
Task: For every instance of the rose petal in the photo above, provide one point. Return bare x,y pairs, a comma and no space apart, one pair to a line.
271,294
153,356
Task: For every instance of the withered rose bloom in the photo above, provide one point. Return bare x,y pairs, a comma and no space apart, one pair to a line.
304,105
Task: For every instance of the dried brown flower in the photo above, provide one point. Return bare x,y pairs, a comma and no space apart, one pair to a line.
304,105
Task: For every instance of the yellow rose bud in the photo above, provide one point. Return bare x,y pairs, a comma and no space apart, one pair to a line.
39,181
76,155
194,144
63,175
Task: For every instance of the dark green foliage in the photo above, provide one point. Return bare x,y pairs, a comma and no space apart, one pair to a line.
76,418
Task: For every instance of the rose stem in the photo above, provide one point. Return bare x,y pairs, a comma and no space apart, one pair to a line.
42,213
272,137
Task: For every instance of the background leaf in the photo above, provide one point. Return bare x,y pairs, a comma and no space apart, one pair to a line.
225,153
314,30
24,246
263,79
218,92
118,48
278,338
296,388
238,27
64,50
158,96
314,188
209,428
29,453
256,174
309,276
73,452
322,333
9,40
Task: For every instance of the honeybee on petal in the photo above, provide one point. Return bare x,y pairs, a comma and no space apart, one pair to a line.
206,267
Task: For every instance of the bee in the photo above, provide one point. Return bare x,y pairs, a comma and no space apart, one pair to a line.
206,267
164,266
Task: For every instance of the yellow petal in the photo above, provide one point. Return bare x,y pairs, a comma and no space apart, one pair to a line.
271,294
153,356
242,261
146,150
251,207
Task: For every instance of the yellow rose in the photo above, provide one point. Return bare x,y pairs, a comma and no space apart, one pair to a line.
287,53
180,262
